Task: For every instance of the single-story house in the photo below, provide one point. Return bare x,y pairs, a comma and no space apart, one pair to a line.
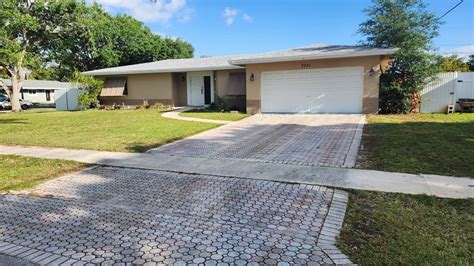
313,79
40,91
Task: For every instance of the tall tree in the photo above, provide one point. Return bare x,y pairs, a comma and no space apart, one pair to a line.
57,38
103,40
27,27
452,63
470,62
408,25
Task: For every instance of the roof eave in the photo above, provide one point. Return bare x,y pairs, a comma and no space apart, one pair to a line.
154,71
43,88
309,57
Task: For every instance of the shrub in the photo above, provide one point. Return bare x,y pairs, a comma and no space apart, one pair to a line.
219,105
162,107
393,99
90,90
145,105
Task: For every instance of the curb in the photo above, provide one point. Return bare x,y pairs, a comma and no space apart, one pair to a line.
332,226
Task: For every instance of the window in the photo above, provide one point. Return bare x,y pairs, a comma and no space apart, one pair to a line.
237,84
114,87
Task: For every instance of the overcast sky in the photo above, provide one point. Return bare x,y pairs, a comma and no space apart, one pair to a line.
224,27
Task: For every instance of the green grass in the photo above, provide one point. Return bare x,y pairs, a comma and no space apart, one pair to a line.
388,229
206,114
119,130
25,172
419,143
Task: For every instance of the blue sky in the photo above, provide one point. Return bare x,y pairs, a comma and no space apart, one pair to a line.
224,27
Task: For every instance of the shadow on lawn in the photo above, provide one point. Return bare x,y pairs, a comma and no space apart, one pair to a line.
12,121
141,148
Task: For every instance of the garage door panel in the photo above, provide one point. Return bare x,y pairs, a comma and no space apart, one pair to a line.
313,87
314,103
296,74
332,90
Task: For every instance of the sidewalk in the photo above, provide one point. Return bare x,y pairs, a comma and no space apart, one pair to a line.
175,115
441,186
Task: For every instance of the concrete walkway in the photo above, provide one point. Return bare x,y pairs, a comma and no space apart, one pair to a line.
175,115
441,186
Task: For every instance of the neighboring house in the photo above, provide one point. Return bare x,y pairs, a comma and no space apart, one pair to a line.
314,79
40,91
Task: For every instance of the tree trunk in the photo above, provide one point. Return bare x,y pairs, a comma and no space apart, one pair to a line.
17,83
415,102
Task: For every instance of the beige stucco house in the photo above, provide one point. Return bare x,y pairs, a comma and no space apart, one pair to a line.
314,79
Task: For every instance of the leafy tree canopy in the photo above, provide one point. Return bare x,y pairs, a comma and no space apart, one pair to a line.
470,62
103,40
408,25
452,63
26,29
56,38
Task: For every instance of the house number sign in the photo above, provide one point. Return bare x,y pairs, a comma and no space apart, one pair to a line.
305,65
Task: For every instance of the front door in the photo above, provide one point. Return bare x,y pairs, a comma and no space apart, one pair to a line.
48,95
207,90
197,90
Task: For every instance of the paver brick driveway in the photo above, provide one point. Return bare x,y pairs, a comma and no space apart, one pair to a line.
107,215
315,140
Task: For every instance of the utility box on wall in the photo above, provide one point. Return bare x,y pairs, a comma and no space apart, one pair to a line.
67,100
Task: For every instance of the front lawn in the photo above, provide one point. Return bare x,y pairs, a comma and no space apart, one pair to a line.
419,143
207,114
118,130
397,229
25,172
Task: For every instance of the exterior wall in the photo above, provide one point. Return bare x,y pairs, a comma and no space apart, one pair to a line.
385,63
221,89
151,87
171,88
180,91
370,101
39,96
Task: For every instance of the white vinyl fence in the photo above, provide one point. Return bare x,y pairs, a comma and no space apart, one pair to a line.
67,100
447,89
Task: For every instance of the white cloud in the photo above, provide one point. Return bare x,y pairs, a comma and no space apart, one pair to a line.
247,17
230,14
186,15
146,10
462,51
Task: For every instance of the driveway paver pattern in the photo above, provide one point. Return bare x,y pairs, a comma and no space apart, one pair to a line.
310,140
109,215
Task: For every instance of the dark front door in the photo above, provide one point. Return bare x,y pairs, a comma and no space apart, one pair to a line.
207,90
48,95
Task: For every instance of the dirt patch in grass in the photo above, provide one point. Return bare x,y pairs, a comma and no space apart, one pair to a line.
389,228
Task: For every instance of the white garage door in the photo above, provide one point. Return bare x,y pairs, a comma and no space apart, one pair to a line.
324,90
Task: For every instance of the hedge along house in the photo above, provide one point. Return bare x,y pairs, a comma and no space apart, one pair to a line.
314,79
